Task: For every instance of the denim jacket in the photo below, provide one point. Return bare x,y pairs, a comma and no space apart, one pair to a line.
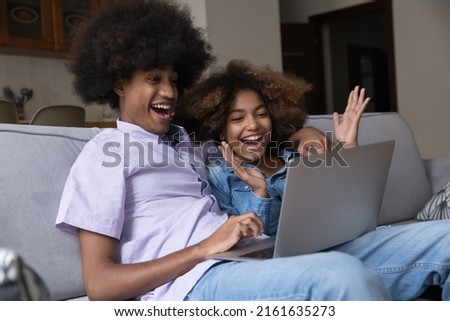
236,197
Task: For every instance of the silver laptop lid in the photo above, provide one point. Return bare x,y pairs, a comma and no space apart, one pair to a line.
332,198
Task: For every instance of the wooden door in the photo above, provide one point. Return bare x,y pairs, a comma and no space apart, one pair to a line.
301,54
335,76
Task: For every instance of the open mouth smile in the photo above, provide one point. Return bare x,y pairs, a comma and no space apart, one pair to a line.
253,142
164,111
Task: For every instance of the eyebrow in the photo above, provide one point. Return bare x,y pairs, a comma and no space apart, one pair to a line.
241,109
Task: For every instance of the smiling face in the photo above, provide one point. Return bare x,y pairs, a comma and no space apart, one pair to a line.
248,126
148,99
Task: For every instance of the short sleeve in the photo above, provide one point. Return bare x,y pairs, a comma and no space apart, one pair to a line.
94,194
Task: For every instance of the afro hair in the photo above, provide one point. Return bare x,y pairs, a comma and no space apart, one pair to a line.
204,109
135,35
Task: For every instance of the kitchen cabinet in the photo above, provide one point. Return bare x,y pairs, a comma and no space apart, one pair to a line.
46,25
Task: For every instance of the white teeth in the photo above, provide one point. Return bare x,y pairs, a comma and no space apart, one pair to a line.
161,106
251,138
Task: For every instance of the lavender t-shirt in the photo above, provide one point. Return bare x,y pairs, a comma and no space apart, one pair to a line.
150,194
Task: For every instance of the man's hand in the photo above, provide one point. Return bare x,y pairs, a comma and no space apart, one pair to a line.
311,141
236,228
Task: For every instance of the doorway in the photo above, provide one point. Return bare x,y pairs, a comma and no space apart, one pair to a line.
340,49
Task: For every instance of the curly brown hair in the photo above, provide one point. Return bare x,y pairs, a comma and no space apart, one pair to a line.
205,107
136,35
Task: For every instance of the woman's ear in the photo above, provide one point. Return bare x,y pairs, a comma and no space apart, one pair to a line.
118,87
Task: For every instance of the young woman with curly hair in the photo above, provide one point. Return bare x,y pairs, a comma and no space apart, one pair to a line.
253,112
210,100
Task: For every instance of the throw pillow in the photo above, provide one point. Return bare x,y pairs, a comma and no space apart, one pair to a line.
438,207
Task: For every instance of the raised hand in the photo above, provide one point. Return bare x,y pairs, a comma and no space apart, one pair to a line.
346,126
251,176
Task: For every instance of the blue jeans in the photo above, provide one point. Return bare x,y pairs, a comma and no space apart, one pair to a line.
409,258
392,262
321,276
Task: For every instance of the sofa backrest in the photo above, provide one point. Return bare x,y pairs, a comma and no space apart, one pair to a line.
408,187
35,161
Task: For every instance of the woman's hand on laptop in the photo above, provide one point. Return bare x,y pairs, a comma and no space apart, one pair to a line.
236,228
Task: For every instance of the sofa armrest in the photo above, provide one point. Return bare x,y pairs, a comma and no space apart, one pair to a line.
438,171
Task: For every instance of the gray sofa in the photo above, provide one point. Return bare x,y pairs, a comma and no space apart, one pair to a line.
35,161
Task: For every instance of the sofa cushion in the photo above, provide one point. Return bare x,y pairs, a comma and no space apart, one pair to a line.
407,188
35,163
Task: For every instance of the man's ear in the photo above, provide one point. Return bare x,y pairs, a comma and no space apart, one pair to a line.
118,87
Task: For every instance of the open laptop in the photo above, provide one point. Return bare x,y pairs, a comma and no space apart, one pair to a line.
329,199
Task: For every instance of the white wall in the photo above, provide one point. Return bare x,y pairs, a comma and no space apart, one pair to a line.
422,54
247,29
47,77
